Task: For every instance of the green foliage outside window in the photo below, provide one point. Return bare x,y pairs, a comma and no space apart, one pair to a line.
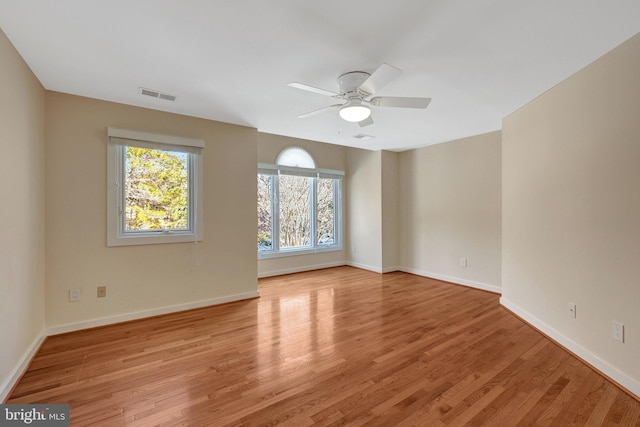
156,190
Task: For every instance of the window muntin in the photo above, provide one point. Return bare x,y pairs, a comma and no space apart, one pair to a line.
154,190
317,228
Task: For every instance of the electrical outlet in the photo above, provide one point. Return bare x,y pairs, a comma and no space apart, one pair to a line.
463,262
572,310
74,294
618,331
102,291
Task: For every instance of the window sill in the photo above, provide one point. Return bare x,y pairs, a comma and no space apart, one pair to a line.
153,239
296,252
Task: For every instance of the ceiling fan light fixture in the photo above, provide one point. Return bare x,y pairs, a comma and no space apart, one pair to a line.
354,111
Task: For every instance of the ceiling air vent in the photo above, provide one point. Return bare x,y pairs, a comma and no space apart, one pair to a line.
167,97
363,136
156,94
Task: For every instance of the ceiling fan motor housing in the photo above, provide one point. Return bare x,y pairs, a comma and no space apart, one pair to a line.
350,82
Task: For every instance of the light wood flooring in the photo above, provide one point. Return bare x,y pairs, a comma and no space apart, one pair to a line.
340,346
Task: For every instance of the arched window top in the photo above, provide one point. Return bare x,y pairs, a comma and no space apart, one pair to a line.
296,157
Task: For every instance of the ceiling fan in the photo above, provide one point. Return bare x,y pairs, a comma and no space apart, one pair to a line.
356,88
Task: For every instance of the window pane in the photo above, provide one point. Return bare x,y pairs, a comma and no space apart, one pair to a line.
295,212
295,157
325,212
156,189
265,222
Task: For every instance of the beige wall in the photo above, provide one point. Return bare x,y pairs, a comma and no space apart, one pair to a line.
450,202
571,212
390,209
144,279
326,156
22,320
364,208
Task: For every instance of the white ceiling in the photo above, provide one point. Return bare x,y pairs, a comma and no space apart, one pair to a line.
230,60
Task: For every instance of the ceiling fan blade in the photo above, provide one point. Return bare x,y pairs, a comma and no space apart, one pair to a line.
366,122
380,77
400,102
312,89
318,111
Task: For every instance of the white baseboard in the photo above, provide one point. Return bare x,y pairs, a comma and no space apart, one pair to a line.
364,267
70,327
456,280
8,384
610,371
271,273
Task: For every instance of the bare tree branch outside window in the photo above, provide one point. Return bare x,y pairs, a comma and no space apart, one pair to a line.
292,225
265,186
325,212
295,213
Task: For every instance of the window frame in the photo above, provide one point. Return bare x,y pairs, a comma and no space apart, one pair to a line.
314,174
118,141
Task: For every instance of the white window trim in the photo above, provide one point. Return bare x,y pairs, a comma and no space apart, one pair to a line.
117,140
276,170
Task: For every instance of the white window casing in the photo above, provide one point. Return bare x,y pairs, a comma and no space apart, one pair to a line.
118,140
275,171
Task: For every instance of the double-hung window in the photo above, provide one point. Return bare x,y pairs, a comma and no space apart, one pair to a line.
154,192
299,210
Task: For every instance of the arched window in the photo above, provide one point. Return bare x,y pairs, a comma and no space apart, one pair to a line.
299,206
296,157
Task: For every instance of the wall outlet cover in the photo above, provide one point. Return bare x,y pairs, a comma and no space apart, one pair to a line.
74,294
618,331
572,310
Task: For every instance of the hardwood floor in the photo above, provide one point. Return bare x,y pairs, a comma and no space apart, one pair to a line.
334,347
